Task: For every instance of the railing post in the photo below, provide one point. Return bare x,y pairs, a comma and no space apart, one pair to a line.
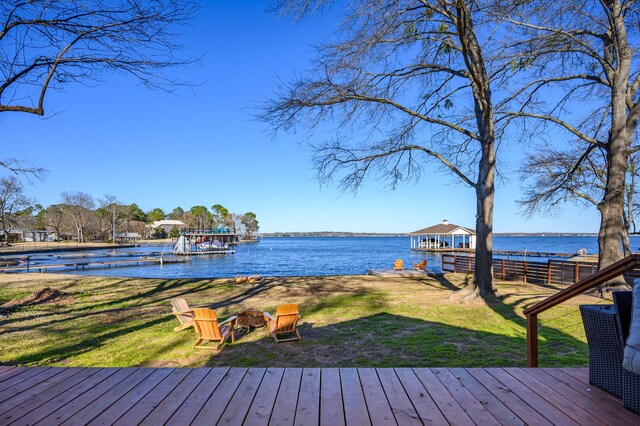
532,340
524,277
469,264
549,272
504,272
576,272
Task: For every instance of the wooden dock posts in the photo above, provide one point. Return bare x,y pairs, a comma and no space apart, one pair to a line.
550,272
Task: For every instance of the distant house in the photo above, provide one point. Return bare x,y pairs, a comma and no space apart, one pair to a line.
30,235
166,225
444,236
128,238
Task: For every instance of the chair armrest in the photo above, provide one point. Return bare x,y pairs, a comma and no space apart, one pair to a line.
267,316
190,311
230,319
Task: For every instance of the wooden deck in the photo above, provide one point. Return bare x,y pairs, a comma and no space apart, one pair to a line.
310,396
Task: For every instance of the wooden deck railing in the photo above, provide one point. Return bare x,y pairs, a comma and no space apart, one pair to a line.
606,274
552,271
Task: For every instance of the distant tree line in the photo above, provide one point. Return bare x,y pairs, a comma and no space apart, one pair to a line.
80,216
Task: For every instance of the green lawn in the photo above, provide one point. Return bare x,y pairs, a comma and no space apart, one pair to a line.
359,321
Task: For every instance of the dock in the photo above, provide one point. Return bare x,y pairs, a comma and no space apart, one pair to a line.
406,273
81,266
520,253
197,253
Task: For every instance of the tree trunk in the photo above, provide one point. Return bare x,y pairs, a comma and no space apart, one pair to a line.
483,275
612,227
479,80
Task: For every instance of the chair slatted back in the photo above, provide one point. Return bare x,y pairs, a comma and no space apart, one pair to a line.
180,305
206,325
287,318
398,264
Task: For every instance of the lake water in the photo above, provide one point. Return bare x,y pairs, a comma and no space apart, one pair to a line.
315,256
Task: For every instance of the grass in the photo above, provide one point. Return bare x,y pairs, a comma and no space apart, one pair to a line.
358,321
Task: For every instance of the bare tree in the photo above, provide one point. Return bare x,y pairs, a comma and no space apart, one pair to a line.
584,53
55,219
557,176
236,221
12,200
114,213
78,205
414,80
47,44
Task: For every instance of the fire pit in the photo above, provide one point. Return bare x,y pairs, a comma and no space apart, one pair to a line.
248,319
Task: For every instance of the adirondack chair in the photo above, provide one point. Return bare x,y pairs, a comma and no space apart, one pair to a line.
398,265
285,322
182,312
420,266
205,322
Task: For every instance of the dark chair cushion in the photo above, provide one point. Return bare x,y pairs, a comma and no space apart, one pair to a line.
631,360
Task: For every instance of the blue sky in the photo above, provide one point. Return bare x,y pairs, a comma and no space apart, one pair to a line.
201,146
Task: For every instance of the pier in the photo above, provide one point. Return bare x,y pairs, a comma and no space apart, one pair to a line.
81,266
520,253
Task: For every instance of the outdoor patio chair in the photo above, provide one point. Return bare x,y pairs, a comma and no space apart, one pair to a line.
420,266
182,312
205,322
285,322
398,265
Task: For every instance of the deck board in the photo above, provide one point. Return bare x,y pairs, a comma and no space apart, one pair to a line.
518,406
192,405
262,405
331,406
309,396
284,409
355,407
308,409
377,404
44,410
469,403
493,405
571,408
218,401
239,405
107,399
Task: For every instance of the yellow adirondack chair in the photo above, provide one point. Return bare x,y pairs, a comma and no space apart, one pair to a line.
182,312
205,322
398,265
285,322
420,266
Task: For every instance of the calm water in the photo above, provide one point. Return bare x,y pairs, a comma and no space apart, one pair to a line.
312,256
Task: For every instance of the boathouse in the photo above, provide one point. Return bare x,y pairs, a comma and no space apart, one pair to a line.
207,241
444,236
128,238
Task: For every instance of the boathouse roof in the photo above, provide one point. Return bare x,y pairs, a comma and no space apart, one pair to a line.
167,222
444,228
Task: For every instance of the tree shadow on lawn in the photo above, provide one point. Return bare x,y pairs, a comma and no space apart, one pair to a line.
162,292
359,328
390,340
89,342
386,339
554,342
